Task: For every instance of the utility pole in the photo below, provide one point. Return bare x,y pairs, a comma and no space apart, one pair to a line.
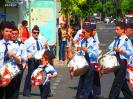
29,4
4,10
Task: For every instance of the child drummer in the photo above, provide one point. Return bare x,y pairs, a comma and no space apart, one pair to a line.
50,73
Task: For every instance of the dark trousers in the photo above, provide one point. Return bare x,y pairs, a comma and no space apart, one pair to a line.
80,84
93,82
32,65
9,92
120,83
18,80
96,84
88,83
62,48
44,90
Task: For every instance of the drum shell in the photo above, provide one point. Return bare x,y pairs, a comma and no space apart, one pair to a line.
79,65
129,75
109,70
5,76
37,77
13,70
80,71
109,63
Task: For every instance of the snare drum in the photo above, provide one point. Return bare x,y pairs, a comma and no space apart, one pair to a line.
129,75
5,76
109,63
38,54
37,77
13,70
78,65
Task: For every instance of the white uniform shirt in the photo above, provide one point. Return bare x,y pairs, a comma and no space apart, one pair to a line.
11,47
31,46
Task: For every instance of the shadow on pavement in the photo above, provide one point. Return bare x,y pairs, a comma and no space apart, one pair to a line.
119,98
32,94
74,88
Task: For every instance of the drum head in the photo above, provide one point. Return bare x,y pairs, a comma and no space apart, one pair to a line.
5,77
38,54
37,77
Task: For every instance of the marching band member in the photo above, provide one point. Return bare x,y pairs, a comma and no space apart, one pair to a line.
50,73
33,44
90,47
94,34
10,53
76,40
97,84
24,58
129,32
122,47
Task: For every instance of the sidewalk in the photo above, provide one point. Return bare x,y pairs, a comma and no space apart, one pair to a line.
57,63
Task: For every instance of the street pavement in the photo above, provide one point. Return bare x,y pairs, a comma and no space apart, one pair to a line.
65,88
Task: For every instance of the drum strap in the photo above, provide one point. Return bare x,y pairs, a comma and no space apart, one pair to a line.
86,54
117,53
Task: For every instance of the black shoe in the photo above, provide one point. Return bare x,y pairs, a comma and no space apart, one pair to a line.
27,95
80,97
50,95
99,97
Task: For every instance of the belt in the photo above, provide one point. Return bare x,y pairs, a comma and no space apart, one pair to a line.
93,63
123,60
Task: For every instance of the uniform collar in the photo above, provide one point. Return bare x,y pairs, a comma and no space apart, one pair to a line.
3,42
90,39
33,38
123,37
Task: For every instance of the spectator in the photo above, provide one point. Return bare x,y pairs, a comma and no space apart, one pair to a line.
24,33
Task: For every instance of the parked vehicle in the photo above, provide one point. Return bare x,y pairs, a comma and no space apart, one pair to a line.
129,18
107,20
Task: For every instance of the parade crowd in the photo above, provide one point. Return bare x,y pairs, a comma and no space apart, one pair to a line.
19,52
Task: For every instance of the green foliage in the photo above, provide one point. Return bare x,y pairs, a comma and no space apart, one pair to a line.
127,6
2,3
85,8
81,8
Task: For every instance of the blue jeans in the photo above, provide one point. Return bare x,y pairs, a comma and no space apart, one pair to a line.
52,49
62,47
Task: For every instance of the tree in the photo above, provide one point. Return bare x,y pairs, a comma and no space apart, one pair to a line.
2,3
80,8
127,6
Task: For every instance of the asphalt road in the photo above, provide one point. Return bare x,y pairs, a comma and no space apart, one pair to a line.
65,88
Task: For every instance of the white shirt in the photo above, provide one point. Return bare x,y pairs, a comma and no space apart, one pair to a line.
11,47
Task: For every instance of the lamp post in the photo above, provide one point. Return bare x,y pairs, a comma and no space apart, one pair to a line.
29,4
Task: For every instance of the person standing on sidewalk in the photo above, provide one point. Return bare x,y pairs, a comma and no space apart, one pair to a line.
62,37
23,31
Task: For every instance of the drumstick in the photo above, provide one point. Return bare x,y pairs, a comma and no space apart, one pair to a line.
6,53
34,52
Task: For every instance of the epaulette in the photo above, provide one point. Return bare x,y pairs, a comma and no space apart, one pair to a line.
126,39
